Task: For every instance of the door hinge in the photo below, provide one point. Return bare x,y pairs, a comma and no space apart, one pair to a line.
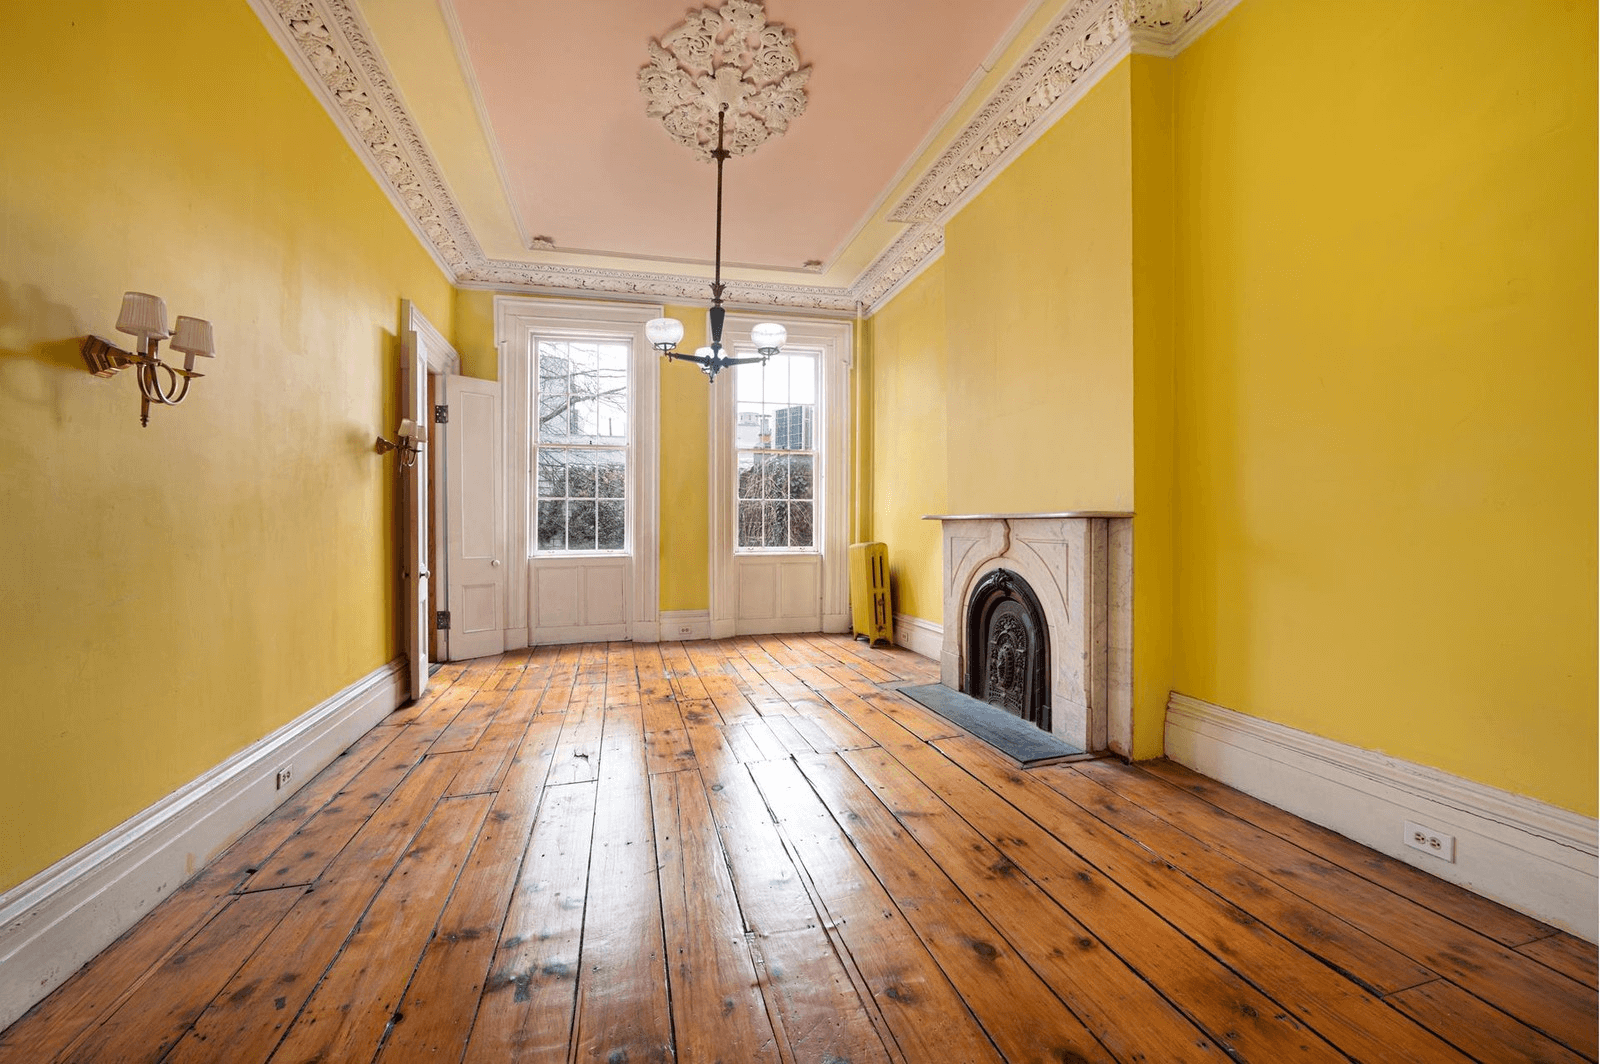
441,620
441,414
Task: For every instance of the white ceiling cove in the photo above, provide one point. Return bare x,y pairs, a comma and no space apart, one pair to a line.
513,135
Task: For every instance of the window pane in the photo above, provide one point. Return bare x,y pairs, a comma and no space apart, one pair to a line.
776,520
746,483
750,525
612,534
580,525
552,417
553,368
552,474
552,525
800,525
611,474
580,475
800,469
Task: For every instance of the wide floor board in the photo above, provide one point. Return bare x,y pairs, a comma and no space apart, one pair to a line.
756,850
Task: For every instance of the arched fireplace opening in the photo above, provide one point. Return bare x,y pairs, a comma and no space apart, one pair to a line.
1008,647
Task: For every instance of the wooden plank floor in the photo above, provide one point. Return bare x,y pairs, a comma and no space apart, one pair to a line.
754,850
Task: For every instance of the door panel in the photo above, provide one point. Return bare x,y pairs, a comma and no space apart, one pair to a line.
475,515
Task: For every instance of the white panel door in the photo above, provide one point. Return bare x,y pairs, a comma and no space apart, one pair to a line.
475,517
414,500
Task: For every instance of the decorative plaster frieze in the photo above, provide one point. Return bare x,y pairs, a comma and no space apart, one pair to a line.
333,48
725,56
1085,33
511,274
905,258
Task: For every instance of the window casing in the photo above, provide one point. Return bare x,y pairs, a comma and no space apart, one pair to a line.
556,596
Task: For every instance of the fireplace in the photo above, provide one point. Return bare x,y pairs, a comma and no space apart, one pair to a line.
1038,619
1009,665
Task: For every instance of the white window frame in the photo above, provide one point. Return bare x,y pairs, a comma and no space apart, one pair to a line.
518,319
831,523
818,450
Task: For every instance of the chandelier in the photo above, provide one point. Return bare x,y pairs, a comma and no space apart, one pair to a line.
664,334
732,61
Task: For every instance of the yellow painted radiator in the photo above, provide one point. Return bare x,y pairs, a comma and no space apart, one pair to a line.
869,592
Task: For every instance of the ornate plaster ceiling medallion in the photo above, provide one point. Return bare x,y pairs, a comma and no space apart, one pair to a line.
725,55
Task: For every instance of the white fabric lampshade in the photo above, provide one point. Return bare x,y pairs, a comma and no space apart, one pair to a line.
663,333
193,337
768,336
143,315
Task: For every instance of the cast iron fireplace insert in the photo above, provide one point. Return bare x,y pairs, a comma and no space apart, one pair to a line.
1008,647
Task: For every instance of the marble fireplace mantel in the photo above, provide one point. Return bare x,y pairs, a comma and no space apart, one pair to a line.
1079,564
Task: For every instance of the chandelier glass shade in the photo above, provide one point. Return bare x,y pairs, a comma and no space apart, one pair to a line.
665,334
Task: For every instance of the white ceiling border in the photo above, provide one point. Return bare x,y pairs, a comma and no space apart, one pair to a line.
1084,43
331,47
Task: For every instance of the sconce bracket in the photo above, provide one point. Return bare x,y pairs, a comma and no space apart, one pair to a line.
105,358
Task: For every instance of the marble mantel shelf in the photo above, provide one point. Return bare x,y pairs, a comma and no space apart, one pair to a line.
1064,515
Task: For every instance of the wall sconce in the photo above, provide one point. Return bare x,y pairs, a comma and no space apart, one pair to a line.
145,317
409,440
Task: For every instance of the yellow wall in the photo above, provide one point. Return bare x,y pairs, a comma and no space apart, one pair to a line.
175,592
908,439
1038,298
1151,118
474,335
685,473
1386,380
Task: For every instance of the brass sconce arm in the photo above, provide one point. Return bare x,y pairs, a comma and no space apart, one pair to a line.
145,318
409,441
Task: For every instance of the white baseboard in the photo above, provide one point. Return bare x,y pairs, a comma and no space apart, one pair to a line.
919,636
51,924
1532,856
685,624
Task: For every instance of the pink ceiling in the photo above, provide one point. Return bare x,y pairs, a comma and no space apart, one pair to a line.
587,168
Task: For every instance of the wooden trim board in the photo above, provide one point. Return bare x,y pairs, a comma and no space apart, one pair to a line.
918,636
1524,853
55,921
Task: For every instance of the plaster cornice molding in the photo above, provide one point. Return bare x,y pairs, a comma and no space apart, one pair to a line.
914,251
1077,44
331,47
330,44
534,276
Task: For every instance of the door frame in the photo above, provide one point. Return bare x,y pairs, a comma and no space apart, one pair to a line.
424,350
836,339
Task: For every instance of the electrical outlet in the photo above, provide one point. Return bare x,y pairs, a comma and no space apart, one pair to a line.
685,631
285,774
1431,841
